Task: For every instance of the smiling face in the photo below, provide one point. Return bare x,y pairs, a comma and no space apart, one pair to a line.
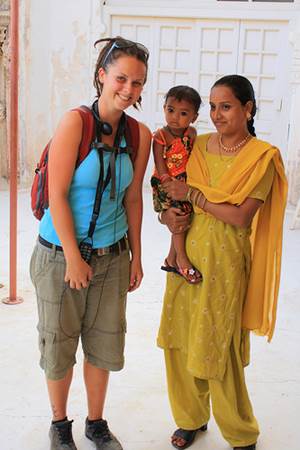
227,113
179,114
123,82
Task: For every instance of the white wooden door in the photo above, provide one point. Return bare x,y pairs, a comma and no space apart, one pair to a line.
216,54
198,52
139,30
263,58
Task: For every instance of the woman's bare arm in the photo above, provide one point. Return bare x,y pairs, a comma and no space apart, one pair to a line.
133,202
237,215
62,160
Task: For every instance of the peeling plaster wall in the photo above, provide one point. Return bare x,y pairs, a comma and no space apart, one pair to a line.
56,69
57,62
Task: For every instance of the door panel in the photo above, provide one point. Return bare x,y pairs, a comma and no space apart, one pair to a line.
261,58
197,52
217,49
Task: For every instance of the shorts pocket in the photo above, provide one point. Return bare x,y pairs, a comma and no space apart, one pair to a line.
40,263
57,353
47,349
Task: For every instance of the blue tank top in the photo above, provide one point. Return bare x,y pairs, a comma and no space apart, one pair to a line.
112,221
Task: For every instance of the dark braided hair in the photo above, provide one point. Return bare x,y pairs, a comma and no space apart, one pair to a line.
114,49
243,91
186,93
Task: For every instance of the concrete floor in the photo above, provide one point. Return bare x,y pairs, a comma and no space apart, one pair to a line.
137,405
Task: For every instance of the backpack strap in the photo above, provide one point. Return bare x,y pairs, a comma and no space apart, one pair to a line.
88,132
132,136
132,133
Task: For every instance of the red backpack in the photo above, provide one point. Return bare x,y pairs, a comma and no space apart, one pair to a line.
39,188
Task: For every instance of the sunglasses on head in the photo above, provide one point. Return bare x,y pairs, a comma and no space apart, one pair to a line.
120,44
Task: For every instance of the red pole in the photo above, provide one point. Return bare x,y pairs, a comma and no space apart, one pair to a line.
13,152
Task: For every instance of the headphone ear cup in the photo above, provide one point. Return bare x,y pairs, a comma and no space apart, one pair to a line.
106,128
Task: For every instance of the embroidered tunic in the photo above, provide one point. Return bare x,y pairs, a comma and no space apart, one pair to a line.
201,319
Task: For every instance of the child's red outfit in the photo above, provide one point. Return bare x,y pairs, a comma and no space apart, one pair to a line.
176,155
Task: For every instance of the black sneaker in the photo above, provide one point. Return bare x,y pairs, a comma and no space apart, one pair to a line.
60,434
98,432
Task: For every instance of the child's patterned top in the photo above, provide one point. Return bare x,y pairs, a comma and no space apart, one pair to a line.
176,153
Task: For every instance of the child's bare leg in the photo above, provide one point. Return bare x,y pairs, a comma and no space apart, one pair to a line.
171,258
183,264
178,242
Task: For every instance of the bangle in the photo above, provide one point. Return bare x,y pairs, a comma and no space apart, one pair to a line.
159,217
197,198
188,194
193,196
164,177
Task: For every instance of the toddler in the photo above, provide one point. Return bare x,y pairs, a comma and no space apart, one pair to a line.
172,145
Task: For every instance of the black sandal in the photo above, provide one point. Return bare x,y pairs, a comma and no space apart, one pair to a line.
168,268
187,435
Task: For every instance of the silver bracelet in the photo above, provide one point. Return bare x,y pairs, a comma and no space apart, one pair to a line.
159,217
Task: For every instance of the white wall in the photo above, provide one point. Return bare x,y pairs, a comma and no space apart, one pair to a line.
57,56
56,41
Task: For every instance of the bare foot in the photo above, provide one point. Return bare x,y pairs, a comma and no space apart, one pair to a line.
183,261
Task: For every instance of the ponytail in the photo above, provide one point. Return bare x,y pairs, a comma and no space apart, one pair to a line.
250,125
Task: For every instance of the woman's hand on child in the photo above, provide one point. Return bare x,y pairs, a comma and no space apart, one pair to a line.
78,273
176,189
176,220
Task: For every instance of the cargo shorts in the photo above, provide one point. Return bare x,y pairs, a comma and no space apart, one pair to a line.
96,314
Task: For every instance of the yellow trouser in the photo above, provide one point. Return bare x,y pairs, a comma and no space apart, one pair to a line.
189,399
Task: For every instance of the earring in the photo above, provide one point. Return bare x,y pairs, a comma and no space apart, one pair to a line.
249,117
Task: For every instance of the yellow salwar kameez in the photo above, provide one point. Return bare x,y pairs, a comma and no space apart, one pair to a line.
201,325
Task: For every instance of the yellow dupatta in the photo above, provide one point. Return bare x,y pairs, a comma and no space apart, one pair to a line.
248,168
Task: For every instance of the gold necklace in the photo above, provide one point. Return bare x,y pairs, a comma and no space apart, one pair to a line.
234,148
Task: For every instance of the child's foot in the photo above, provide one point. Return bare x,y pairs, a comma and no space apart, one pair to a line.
169,267
188,271
191,275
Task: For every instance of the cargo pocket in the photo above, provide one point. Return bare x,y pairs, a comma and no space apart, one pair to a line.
57,354
47,348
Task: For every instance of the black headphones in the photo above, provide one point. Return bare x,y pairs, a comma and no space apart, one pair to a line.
102,127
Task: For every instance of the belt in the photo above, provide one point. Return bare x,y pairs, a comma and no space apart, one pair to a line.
117,247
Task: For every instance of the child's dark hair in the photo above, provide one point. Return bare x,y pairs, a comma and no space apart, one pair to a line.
186,93
243,90
114,49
